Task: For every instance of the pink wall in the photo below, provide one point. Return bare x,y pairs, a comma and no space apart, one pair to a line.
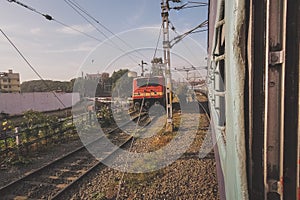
17,103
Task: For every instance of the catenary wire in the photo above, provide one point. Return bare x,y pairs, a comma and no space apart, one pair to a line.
101,32
140,111
193,6
197,2
102,25
184,44
32,68
187,7
70,27
159,35
200,31
50,18
180,37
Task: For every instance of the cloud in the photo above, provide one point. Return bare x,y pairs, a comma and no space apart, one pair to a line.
35,31
11,27
137,15
86,28
83,47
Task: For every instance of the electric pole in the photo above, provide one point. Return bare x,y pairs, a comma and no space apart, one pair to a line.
166,46
142,65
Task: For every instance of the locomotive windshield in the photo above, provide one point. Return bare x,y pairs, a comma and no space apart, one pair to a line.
148,82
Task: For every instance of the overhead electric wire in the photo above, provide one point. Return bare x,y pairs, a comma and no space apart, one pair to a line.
32,68
140,111
186,5
141,108
197,2
69,4
101,24
85,18
84,11
174,29
50,18
159,35
200,31
25,6
70,27
74,4
180,37
193,6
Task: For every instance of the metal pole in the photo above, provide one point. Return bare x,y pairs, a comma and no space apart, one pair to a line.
166,46
142,65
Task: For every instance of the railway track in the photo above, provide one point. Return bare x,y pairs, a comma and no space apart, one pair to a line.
55,178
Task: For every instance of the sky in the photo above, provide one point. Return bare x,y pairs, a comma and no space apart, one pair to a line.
60,53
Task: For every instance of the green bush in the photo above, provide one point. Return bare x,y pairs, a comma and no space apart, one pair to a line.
105,116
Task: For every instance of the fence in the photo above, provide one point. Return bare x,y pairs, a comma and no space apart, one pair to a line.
23,141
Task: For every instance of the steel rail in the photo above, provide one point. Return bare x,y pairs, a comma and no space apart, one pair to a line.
100,162
11,186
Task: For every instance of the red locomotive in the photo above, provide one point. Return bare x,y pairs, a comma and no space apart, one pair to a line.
148,91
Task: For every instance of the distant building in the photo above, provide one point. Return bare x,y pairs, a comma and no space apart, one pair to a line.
98,76
104,84
9,82
93,76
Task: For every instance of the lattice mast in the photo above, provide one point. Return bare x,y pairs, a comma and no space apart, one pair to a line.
166,46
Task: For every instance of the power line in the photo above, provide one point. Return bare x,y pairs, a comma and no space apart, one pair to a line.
192,53
186,5
159,35
140,111
84,11
85,19
25,6
70,27
180,37
102,25
200,31
75,6
32,68
194,6
50,18
69,4
197,2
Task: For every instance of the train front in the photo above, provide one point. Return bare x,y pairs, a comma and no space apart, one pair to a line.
148,91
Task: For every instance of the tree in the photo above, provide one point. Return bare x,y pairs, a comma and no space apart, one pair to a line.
46,86
121,83
117,75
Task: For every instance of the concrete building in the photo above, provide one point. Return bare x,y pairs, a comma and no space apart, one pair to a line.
9,82
93,76
100,77
103,81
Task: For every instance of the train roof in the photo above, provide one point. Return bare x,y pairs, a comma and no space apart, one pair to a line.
142,77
